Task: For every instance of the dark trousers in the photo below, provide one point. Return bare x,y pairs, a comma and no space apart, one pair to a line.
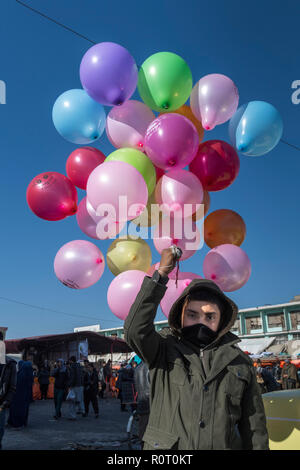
58,399
44,391
2,425
90,396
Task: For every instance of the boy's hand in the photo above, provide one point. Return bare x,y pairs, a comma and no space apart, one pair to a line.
167,262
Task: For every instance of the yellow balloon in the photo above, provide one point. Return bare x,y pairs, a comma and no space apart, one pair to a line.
125,254
151,215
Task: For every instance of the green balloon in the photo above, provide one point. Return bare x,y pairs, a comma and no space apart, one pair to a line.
140,161
165,81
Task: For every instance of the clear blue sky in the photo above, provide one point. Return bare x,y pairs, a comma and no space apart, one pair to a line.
255,43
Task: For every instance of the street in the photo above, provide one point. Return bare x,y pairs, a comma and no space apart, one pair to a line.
43,432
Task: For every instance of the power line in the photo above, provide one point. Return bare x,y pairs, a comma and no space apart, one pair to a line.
290,145
52,310
56,22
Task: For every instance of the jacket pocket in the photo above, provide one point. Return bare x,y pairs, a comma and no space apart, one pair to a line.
158,439
177,372
236,382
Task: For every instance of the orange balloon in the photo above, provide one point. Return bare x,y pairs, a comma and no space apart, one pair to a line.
186,111
224,226
206,201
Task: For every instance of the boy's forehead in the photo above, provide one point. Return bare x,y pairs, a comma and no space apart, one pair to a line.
202,305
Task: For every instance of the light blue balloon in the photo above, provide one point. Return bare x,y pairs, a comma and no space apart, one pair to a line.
78,118
256,128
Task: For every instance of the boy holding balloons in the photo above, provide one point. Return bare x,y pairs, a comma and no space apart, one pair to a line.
204,394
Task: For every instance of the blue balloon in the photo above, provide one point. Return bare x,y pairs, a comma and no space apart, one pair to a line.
78,118
256,128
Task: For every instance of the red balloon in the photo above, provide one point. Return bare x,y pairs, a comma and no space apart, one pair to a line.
52,196
81,163
159,172
216,164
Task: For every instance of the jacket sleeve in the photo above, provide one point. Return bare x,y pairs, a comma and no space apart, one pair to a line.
139,330
11,389
253,426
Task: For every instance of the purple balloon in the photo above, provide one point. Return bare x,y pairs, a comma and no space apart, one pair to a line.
228,266
214,100
171,141
79,264
172,294
108,73
123,290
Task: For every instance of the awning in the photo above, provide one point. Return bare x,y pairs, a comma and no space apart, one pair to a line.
255,345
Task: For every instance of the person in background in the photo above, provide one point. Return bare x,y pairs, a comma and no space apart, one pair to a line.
107,370
43,378
19,409
90,382
101,379
289,375
76,384
142,388
61,376
277,372
8,383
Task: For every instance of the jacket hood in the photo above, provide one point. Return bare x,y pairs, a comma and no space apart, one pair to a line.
228,314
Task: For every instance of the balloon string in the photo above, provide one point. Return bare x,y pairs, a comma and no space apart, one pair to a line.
177,272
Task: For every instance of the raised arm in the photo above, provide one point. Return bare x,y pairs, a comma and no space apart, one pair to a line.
139,328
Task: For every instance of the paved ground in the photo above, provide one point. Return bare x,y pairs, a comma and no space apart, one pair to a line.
45,433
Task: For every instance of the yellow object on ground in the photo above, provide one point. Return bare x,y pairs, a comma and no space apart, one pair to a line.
283,419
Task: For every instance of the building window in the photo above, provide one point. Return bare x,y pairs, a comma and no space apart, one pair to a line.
254,325
276,322
295,320
236,327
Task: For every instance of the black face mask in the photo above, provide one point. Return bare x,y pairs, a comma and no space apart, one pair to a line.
199,334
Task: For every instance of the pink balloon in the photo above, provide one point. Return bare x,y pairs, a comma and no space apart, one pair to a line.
214,100
228,266
123,290
184,275
171,141
119,186
126,125
172,293
79,264
181,232
179,191
90,225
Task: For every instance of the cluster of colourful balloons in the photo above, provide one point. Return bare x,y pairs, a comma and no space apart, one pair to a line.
159,159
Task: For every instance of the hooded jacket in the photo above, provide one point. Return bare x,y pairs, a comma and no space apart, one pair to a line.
200,398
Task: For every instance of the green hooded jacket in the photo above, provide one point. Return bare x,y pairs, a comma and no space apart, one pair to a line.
200,399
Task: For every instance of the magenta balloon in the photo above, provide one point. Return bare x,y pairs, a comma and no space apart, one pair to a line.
113,180
123,290
79,264
188,238
228,266
126,125
172,294
216,164
179,191
108,73
214,100
171,141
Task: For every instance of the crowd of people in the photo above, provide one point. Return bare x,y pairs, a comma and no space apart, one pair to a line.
272,378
